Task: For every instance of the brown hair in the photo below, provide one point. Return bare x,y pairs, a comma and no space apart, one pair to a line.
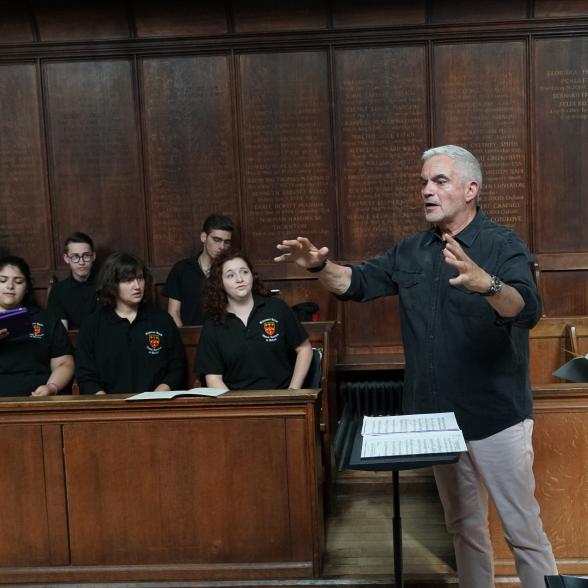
117,268
216,301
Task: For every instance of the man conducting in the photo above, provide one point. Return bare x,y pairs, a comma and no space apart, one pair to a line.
467,302
186,281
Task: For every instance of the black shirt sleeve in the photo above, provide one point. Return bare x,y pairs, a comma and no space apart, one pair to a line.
209,358
54,305
87,374
60,343
176,366
173,287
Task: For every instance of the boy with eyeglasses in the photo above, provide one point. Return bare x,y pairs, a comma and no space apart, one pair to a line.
74,298
186,282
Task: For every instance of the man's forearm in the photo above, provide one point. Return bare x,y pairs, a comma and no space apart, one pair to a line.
335,278
508,303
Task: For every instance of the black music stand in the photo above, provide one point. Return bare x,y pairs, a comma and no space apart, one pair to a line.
394,464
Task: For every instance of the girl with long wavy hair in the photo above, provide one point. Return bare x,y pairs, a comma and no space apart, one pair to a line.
250,340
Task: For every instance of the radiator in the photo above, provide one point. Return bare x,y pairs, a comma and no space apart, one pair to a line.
359,399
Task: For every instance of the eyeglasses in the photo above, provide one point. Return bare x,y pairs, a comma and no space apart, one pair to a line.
85,257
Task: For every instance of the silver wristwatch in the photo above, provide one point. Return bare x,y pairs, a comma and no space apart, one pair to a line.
495,287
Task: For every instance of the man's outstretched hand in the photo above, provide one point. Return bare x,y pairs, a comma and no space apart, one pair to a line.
302,252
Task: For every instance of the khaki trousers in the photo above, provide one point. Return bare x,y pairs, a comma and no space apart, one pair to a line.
500,466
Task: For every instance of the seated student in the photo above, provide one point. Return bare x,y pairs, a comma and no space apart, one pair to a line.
128,344
186,282
38,364
74,298
248,337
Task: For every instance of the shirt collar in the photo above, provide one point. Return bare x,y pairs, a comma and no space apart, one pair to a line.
466,236
114,318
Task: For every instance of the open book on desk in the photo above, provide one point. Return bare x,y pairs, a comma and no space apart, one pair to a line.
175,393
415,434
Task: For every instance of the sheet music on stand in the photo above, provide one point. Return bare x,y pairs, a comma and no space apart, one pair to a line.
415,434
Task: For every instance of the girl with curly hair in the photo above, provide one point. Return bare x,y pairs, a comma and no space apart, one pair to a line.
250,340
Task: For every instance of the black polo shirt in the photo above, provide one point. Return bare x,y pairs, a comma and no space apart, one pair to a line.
25,363
460,354
72,300
186,282
117,356
256,356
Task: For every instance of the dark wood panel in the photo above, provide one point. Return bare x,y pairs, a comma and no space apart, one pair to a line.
25,536
565,293
550,8
286,150
149,509
26,217
377,13
297,291
90,20
381,97
285,15
15,24
190,160
178,18
372,327
561,165
480,102
451,11
94,153
560,443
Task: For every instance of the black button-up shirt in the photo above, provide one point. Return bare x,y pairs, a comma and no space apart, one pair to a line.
460,354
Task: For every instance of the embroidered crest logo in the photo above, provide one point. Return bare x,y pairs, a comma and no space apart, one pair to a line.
38,331
270,329
153,342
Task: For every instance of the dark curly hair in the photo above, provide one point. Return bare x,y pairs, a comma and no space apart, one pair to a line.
25,270
216,301
117,268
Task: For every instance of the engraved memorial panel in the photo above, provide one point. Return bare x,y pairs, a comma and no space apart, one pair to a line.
179,18
25,217
480,103
378,13
561,123
286,150
94,163
189,149
382,131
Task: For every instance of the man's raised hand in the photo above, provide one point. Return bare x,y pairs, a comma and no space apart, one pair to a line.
302,252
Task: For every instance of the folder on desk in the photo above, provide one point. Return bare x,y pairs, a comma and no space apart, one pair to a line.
575,370
17,321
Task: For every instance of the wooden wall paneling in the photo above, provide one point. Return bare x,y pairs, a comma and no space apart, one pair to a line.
94,155
287,15
26,215
480,103
378,13
561,163
560,443
149,511
381,98
15,24
189,149
72,21
569,8
297,291
179,18
372,327
24,509
286,150
565,293
454,11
